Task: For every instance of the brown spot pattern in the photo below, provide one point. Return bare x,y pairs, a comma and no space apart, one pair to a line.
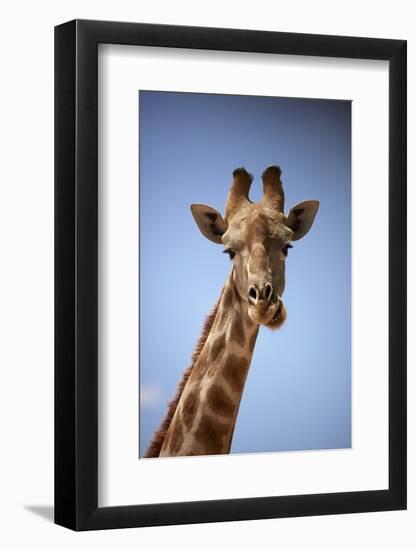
228,297
237,333
217,347
234,371
219,401
176,438
252,340
189,408
212,369
212,434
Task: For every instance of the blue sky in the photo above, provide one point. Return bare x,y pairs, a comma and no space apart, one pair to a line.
298,392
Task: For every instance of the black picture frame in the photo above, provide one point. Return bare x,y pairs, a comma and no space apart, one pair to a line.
76,272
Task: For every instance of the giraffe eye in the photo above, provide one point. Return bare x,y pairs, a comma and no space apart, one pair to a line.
230,252
285,249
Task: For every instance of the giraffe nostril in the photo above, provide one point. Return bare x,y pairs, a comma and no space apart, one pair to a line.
267,292
253,294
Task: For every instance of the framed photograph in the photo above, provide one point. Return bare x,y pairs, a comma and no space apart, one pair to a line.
230,253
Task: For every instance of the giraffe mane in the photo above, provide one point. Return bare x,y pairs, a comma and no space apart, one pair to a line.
155,445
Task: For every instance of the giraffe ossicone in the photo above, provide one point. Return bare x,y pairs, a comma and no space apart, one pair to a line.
257,236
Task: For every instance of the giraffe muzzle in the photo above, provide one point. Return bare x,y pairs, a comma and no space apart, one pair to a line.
278,312
260,294
270,313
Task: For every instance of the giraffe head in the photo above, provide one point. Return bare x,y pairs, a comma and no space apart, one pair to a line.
257,237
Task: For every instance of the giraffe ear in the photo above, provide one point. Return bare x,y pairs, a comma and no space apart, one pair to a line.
301,217
209,221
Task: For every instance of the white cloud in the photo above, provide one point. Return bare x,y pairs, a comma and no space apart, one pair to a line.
151,395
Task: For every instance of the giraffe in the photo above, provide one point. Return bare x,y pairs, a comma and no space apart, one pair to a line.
257,236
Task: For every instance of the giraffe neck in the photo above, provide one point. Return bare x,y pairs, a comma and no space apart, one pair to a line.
206,414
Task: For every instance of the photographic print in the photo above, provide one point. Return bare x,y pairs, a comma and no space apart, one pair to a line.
245,274
214,280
